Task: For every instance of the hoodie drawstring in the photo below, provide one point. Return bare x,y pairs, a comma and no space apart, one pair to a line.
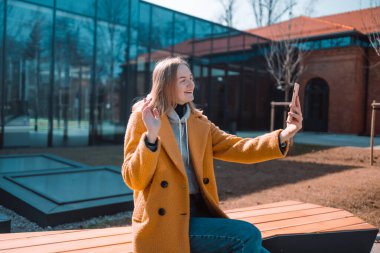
187,140
180,134
187,145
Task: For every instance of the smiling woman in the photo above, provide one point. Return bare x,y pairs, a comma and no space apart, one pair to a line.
169,149
185,85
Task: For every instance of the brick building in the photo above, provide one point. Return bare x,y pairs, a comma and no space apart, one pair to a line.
342,75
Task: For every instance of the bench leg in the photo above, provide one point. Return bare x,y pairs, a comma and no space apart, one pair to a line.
331,242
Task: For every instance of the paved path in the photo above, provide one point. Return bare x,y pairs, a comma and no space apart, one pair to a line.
325,139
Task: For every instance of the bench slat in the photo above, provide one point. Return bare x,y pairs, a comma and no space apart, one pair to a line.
117,248
362,226
73,245
264,206
64,237
23,235
239,215
313,227
288,215
315,219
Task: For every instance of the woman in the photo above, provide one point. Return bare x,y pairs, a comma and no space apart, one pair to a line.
168,162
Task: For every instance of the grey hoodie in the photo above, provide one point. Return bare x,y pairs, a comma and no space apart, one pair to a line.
179,127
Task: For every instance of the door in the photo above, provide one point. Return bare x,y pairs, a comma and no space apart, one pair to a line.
316,105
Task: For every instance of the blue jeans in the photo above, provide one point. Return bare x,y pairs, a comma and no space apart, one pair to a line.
221,235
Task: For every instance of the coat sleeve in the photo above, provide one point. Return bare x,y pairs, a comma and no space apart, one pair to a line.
139,162
232,148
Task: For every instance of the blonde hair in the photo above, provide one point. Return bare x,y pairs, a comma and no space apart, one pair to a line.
163,92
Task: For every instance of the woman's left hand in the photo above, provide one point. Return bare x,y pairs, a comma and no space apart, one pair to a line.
294,121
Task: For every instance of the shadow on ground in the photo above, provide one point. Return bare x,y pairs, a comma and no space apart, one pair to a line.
301,149
235,180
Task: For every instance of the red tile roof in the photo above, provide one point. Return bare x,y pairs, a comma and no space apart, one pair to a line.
366,20
302,27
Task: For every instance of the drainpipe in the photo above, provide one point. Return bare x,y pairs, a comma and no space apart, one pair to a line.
366,87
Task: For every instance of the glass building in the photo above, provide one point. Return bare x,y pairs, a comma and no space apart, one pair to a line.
70,70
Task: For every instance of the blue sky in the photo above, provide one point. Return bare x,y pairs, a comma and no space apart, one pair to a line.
211,9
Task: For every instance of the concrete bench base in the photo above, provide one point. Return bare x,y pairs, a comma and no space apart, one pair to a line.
5,224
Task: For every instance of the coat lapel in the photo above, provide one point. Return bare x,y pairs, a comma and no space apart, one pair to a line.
198,131
170,144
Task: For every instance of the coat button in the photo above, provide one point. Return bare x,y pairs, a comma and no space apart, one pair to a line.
206,180
161,211
164,184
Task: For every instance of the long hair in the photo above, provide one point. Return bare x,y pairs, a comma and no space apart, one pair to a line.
163,92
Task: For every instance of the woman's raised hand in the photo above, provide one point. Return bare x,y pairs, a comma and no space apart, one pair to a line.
152,120
294,121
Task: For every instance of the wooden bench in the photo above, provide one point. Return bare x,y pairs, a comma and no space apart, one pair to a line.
287,226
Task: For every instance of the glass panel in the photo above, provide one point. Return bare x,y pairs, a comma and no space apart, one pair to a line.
142,76
250,40
134,26
233,90
221,39
197,74
72,89
162,30
30,163
203,34
217,96
183,34
144,24
115,12
248,101
48,3
82,7
112,43
2,2
27,78
236,40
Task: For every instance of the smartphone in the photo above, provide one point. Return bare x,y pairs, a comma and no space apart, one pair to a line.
295,93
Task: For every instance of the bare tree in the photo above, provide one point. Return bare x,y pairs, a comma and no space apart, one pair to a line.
374,23
285,59
229,7
285,63
32,52
267,12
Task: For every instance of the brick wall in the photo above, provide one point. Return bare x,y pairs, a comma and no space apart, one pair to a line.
343,70
373,90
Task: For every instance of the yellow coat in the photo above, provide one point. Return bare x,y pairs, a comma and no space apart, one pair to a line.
161,215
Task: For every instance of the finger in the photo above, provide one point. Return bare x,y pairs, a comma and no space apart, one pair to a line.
296,107
296,110
155,113
146,104
293,120
296,116
289,119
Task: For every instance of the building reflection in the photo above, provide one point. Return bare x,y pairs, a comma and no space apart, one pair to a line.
70,70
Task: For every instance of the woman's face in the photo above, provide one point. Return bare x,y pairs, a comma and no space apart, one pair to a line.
185,85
